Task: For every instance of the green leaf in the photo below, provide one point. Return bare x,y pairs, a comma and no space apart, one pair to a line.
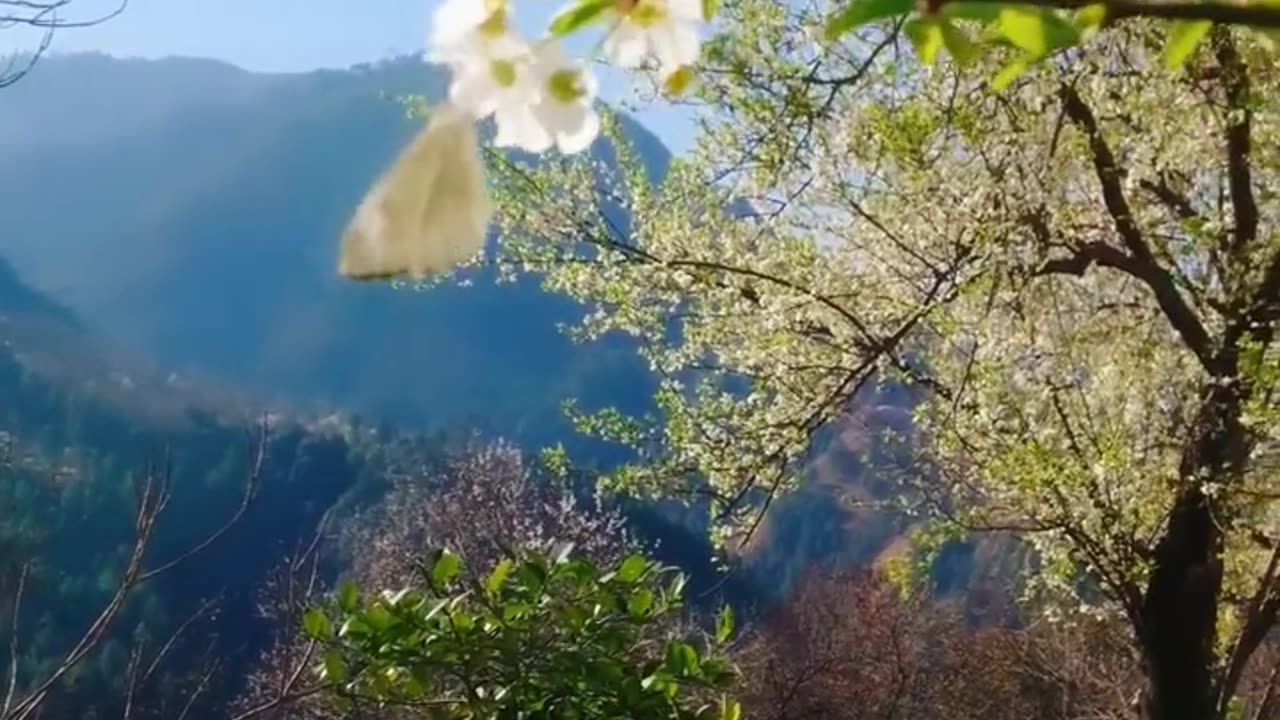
515,611
1036,30
724,624
981,11
379,618
579,15
926,36
532,575
730,709
1009,73
632,569
498,577
349,596
462,620
641,603
958,43
1184,37
447,567
317,624
1089,19
682,659
709,8
335,667
352,627
861,12
718,672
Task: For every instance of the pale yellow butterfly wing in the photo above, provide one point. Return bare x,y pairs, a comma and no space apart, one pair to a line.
428,212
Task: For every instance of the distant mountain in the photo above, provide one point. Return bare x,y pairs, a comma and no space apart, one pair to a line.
19,300
50,346
192,211
115,99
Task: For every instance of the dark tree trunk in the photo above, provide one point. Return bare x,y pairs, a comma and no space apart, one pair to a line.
1179,616
1178,620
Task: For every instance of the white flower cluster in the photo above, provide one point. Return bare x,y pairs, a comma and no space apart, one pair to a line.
537,94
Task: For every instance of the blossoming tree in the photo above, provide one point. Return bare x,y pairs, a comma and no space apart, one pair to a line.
1061,232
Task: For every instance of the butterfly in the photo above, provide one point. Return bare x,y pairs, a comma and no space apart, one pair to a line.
428,212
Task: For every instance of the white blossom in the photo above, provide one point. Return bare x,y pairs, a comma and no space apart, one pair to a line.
509,90
465,32
493,71
666,30
568,91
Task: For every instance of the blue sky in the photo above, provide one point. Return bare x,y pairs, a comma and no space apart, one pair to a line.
294,35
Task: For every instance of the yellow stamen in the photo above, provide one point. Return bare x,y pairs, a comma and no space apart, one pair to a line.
503,72
566,85
496,23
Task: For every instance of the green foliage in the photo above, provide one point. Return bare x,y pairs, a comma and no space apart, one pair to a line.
859,13
579,15
1184,38
543,637
926,36
724,624
1038,29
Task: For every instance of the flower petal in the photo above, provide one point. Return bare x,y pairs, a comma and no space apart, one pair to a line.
519,127
579,138
505,46
454,19
473,90
685,10
573,125
626,45
675,44
590,84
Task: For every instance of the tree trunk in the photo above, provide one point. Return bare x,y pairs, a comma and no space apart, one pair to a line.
1178,620
1179,617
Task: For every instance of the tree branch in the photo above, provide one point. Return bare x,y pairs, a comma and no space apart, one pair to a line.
1260,618
1139,262
42,15
1235,82
12,688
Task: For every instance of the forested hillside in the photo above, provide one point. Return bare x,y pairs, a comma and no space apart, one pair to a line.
86,428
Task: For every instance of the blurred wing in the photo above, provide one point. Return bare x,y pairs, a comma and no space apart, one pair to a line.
428,212
452,226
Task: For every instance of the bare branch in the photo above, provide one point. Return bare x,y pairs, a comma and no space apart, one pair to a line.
13,643
42,16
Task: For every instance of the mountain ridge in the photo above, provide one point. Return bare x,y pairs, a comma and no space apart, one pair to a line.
146,235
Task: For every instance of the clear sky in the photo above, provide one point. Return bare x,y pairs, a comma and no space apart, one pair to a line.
294,35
